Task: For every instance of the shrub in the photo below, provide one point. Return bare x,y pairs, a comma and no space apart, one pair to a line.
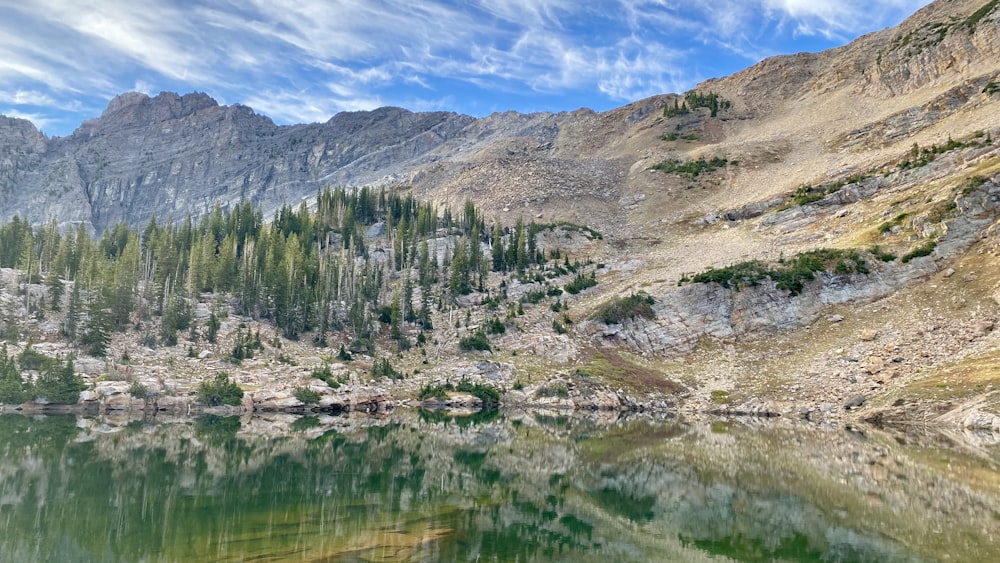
477,341
488,395
343,355
922,250
383,368
692,168
432,391
495,326
621,309
882,255
323,374
307,395
246,344
139,391
580,283
552,391
220,391
805,195
558,327
789,275
30,359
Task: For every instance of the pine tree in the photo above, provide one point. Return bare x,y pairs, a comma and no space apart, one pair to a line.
97,330
73,313
497,247
13,390
213,328
58,383
460,281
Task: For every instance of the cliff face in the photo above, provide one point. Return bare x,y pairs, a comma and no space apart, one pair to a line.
171,156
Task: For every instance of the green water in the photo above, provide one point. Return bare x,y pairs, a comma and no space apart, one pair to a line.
419,486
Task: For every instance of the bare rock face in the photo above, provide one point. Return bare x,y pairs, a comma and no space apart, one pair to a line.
171,156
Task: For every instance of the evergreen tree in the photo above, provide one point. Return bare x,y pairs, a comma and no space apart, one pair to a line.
56,290
73,313
497,247
13,389
58,383
97,331
460,281
213,328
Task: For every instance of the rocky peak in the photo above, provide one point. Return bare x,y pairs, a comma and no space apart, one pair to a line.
17,131
135,109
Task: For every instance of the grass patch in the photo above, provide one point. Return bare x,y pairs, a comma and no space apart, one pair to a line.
887,227
973,20
721,397
610,367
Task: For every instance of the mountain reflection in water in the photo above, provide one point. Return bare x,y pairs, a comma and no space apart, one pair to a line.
427,486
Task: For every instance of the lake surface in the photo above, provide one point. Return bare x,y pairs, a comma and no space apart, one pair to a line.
421,486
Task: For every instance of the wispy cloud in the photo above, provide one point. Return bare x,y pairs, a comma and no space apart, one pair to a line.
302,60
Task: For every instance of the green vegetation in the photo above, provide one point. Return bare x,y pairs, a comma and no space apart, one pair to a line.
973,20
789,275
139,391
804,195
488,395
221,391
307,395
245,346
621,309
477,341
720,397
970,184
991,88
57,382
923,250
546,391
675,135
495,326
882,255
692,168
382,367
430,391
887,227
323,374
580,283
919,157
941,211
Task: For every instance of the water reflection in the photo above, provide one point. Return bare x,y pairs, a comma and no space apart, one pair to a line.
427,486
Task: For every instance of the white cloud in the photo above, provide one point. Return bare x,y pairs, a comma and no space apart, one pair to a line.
303,60
26,98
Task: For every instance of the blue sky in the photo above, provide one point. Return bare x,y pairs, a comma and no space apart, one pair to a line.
298,61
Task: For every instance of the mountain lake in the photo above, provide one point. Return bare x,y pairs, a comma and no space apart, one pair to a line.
491,486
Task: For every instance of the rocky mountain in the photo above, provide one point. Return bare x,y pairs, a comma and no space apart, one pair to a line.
884,150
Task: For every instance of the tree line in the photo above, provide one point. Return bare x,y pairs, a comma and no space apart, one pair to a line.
306,270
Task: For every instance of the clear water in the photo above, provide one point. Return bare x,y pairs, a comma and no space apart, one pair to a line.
491,487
